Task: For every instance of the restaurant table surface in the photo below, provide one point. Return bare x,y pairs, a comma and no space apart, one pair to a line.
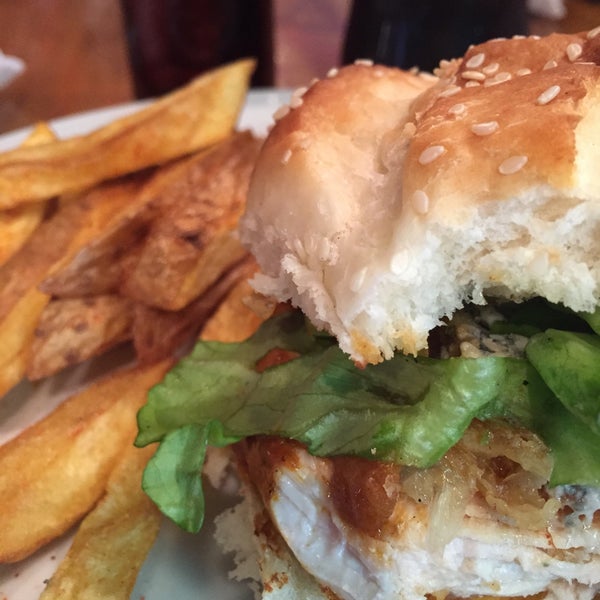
76,57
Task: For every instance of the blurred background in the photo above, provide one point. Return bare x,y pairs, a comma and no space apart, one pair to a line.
77,52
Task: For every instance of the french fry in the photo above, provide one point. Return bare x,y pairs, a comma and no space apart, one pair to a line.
72,330
192,240
112,256
54,472
52,244
57,240
98,267
18,224
240,313
159,333
41,133
195,116
16,331
112,541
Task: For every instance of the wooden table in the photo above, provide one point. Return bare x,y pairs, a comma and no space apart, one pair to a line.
76,56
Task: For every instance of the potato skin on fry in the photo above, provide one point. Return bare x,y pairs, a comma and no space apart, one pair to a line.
72,330
191,242
51,245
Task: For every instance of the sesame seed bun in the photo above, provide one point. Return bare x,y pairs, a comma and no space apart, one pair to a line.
384,200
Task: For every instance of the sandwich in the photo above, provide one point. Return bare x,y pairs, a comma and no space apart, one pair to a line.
420,418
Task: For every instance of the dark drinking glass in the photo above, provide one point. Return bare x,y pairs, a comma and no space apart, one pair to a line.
171,41
419,33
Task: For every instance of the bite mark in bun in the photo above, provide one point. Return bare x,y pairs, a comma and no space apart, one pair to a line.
385,201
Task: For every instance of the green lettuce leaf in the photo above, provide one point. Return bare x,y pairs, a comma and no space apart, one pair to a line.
575,447
407,410
569,363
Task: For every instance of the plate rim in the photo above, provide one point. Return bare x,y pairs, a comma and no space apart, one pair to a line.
85,121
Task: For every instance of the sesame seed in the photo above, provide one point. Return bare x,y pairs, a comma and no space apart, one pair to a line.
450,91
548,95
551,64
281,112
427,76
592,33
472,83
475,75
296,101
499,78
574,51
475,61
535,37
359,278
491,68
443,70
286,156
378,73
298,247
326,250
512,165
420,202
399,262
486,128
409,130
431,153
298,93
518,37
365,62
311,244
457,109
522,72
332,72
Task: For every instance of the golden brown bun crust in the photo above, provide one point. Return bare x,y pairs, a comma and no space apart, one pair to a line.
382,202
544,133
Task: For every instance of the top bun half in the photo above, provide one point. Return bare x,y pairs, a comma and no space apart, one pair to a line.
385,200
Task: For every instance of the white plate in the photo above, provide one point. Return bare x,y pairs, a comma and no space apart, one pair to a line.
180,565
